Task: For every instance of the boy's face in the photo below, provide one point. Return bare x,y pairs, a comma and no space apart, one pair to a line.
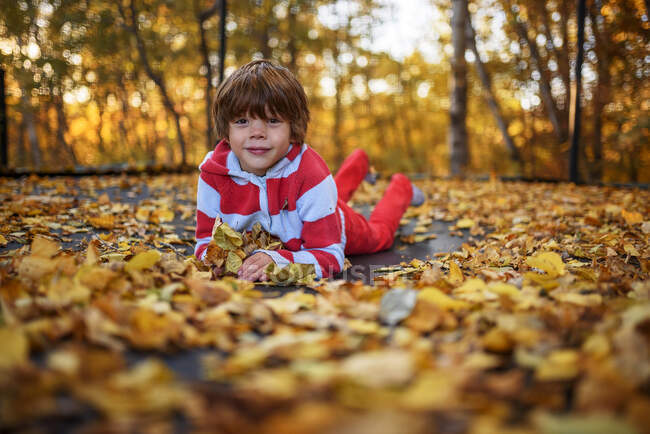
257,143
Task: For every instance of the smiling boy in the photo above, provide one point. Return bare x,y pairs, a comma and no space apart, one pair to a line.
262,172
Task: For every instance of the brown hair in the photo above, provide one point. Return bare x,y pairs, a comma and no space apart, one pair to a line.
255,87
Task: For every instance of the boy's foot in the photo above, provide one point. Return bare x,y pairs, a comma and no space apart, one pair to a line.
371,177
418,196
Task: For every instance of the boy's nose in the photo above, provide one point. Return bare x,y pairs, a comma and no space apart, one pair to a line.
258,128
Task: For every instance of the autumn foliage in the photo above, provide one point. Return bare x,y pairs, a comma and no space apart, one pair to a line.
538,323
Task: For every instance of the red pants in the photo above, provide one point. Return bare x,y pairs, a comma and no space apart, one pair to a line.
378,232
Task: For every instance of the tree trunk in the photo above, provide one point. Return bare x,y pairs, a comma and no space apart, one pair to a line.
30,125
339,153
222,40
126,116
601,95
263,34
4,135
489,94
291,46
62,128
156,78
406,127
458,148
101,146
576,110
202,17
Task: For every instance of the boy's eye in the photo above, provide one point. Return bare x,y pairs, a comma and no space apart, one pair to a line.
274,121
240,121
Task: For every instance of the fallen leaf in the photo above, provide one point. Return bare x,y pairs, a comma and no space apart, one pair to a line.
15,348
143,260
550,262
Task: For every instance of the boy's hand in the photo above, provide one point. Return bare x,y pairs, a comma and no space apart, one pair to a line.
253,267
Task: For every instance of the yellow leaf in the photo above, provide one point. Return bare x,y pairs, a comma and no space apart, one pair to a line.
226,237
559,365
497,340
143,260
465,223
631,250
163,215
301,274
442,300
433,390
550,262
632,218
15,348
455,274
586,300
142,214
506,289
597,345
3,241
105,221
472,285
233,262
362,326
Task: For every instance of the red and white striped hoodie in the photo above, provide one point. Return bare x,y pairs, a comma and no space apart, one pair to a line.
296,200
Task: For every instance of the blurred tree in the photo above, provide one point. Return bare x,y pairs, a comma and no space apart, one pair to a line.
459,151
132,25
489,93
77,87
558,117
576,94
202,16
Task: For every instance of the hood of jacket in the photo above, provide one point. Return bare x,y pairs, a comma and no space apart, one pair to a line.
222,161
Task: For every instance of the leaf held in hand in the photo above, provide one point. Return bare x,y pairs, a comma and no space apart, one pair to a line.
233,262
291,274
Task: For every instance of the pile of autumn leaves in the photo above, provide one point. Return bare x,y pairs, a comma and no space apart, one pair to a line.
228,248
542,326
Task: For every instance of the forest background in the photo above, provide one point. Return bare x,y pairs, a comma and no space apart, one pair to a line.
100,82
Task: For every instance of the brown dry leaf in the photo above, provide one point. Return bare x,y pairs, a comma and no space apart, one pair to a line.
547,300
425,317
44,247
383,368
210,292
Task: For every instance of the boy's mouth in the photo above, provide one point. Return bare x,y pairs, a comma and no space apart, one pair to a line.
257,151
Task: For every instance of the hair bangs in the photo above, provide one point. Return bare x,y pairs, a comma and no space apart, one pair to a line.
261,89
257,97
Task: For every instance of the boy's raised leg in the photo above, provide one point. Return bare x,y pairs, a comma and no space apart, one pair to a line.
351,173
378,233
